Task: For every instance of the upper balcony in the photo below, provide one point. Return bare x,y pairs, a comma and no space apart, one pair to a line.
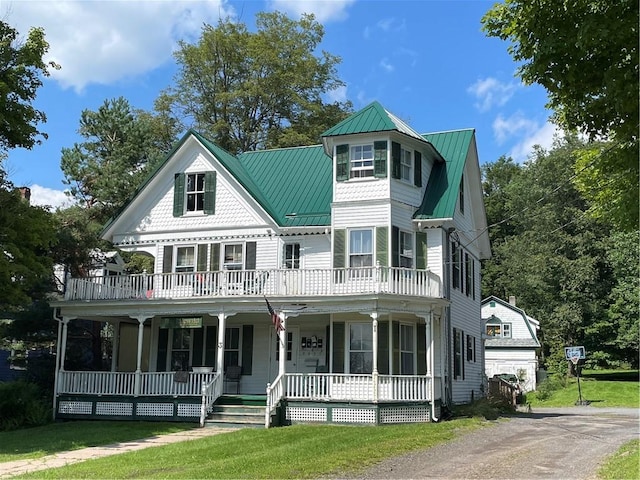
256,283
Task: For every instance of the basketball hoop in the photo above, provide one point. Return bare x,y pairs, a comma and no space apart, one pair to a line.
575,360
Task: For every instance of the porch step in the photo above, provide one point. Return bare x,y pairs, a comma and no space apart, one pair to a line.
238,411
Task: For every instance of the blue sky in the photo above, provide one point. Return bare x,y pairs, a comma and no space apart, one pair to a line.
426,61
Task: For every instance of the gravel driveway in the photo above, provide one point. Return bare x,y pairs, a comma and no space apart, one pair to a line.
560,443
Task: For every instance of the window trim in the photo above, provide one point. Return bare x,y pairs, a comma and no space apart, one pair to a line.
368,169
224,256
198,195
366,327
413,351
406,165
293,263
402,235
351,253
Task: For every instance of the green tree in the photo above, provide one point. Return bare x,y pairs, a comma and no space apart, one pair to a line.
553,255
585,54
251,90
27,235
21,72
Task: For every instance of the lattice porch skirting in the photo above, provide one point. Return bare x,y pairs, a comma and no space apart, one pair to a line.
166,409
358,413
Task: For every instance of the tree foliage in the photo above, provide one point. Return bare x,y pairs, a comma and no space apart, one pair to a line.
249,90
585,54
21,72
26,237
556,259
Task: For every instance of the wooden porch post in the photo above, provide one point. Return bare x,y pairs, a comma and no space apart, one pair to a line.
138,381
282,344
374,373
63,348
220,352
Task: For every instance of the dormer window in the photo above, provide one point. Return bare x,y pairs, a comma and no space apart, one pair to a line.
361,161
364,160
406,165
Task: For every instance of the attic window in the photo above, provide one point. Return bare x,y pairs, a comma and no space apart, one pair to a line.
194,193
361,161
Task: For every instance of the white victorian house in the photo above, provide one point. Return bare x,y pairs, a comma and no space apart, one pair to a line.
367,247
511,341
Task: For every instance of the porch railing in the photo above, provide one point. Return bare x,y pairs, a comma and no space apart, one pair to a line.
210,393
275,393
317,282
347,387
132,384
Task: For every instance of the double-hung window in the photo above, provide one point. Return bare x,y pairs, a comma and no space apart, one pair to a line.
406,165
360,248
292,255
233,256
360,348
185,259
406,249
361,160
195,192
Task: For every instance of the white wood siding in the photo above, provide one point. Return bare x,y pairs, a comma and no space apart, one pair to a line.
518,322
360,215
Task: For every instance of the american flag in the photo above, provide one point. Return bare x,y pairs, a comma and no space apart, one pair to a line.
275,318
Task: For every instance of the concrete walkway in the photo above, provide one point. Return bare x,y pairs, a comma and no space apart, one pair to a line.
19,467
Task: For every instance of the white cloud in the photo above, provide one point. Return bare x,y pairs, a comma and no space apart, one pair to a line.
524,133
386,66
490,92
337,94
324,10
103,42
44,196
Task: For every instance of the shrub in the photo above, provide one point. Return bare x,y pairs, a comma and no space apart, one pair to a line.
490,409
22,404
549,385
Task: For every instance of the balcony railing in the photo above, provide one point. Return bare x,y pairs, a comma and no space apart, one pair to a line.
282,282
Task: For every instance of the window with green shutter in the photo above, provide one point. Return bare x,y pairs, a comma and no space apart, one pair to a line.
417,169
342,162
178,194
382,246
209,193
380,159
194,192
396,154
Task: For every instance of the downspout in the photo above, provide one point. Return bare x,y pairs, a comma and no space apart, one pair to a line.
432,358
55,373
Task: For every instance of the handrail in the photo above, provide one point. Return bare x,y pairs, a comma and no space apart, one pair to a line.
211,391
256,283
275,393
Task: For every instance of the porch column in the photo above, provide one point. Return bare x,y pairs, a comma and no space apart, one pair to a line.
138,380
374,373
220,351
63,348
282,344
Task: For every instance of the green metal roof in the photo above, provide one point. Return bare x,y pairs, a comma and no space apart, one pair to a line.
296,181
443,187
372,118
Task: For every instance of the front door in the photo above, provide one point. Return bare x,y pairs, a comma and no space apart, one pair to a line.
293,336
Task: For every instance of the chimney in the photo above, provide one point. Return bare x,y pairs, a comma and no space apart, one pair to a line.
25,193
512,300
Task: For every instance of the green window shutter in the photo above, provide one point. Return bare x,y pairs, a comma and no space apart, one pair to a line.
382,246
342,163
339,247
395,160
421,250
247,349
198,338
214,261
395,246
338,347
250,261
417,169
380,159
202,257
209,193
211,337
421,334
383,348
178,194
163,341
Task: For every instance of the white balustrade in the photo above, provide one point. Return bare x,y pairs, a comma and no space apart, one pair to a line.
284,282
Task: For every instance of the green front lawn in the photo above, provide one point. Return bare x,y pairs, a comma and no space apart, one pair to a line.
624,464
596,388
300,451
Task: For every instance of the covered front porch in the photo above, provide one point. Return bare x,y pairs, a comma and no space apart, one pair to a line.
328,362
